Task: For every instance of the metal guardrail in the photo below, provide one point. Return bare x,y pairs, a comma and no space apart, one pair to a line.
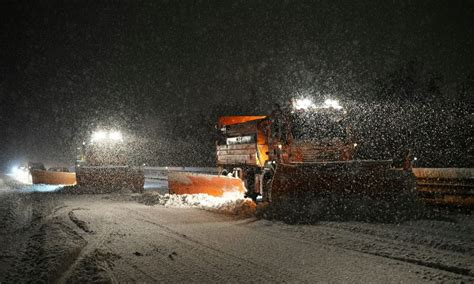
444,173
448,186
162,172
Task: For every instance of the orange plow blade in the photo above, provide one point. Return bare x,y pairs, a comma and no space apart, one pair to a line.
46,177
192,183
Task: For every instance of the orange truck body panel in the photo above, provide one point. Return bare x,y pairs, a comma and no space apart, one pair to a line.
236,119
55,178
259,155
190,183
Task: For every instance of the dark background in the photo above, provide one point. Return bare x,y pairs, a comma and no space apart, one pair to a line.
163,71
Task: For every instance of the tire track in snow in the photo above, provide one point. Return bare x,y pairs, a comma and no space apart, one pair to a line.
78,222
169,266
94,242
228,257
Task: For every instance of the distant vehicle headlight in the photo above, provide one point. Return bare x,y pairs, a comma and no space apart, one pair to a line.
115,135
99,135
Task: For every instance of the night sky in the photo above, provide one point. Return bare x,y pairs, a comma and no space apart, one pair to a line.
163,71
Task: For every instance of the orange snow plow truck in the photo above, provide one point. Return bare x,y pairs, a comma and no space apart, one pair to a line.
304,153
104,164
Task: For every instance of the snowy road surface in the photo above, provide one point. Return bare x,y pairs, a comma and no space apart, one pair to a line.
115,238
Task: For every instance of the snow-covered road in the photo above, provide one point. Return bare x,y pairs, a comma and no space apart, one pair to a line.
118,238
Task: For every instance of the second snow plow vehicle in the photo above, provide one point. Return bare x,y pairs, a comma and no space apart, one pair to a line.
52,176
299,154
103,164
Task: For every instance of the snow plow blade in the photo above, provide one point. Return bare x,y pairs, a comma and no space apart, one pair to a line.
370,178
193,183
106,179
54,178
339,189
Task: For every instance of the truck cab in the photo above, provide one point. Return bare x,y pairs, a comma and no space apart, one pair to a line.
250,147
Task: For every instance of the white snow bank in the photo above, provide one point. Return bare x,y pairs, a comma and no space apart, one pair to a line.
230,203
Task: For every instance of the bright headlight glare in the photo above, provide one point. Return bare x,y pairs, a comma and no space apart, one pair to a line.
103,136
303,104
329,103
14,170
307,104
99,135
115,135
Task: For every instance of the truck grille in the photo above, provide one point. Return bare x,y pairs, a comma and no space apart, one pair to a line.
237,154
312,153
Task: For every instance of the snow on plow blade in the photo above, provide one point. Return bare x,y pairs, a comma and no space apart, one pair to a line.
111,178
193,183
53,178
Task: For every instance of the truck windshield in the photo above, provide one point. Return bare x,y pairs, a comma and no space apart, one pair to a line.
318,126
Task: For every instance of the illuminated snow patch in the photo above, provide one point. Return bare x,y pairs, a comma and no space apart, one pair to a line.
42,188
231,202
